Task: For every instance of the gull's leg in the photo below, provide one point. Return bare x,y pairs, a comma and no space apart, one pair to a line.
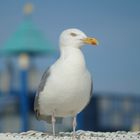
53,123
74,124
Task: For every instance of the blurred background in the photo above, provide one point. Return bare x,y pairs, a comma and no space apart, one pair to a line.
29,34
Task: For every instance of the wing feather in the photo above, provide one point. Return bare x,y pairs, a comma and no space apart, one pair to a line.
36,101
40,88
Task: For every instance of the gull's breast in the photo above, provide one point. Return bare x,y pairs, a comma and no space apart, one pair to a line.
67,90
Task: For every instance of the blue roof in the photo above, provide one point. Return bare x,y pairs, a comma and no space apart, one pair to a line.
27,39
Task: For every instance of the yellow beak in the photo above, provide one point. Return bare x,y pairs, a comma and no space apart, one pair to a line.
91,41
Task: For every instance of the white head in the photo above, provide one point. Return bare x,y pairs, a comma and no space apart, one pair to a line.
75,38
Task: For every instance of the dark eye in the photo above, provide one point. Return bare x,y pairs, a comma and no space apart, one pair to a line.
73,34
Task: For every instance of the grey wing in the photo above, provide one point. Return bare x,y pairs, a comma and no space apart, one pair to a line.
36,101
91,92
40,88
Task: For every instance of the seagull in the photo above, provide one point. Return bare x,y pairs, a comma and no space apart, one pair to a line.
66,86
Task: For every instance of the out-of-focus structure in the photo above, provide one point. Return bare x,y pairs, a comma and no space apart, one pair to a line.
26,43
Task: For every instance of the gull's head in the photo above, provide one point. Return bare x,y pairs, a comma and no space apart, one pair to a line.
75,38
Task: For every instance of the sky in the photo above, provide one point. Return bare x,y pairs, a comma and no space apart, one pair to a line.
115,63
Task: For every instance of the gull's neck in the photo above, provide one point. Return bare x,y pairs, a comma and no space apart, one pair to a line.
72,55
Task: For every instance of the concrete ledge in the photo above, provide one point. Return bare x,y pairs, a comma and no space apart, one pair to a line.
81,135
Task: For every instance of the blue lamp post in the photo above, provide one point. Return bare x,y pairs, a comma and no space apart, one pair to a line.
24,102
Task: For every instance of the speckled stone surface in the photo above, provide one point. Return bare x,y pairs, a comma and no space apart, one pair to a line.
81,135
